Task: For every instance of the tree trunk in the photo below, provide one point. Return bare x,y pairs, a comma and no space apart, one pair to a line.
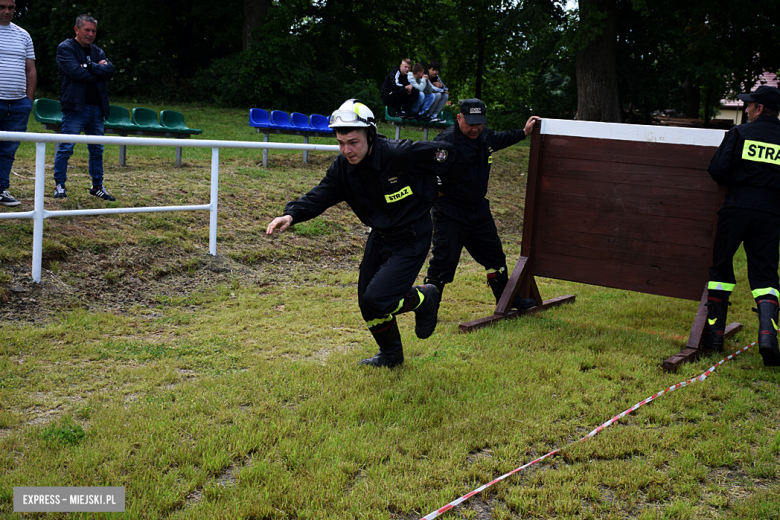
480,63
597,86
692,99
254,14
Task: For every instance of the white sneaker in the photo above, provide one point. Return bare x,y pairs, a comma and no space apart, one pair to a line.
6,199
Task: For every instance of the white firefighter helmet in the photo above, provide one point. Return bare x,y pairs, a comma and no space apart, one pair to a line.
352,114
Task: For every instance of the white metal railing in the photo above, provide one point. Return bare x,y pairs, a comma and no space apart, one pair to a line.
38,214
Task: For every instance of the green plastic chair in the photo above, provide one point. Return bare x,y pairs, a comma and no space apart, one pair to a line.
118,118
47,111
390,115
174,121
447,116
146,119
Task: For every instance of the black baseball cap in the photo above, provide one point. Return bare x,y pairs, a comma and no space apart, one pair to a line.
763,95
473,111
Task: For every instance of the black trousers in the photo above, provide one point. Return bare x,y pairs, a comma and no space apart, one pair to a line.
403,100
759,231
387,273
456,227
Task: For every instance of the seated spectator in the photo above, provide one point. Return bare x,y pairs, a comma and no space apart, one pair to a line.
440,92
419,80
397,92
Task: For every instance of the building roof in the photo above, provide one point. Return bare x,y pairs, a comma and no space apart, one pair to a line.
767,78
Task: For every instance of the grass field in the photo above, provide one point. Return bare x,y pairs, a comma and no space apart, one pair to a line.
228,387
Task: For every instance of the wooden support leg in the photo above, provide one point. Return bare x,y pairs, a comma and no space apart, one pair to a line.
122,155
470,326
693,349
178,156
265,150
521,280
306,152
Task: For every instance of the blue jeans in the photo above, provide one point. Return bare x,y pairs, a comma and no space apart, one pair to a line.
90,120
426,104
417,104
13,118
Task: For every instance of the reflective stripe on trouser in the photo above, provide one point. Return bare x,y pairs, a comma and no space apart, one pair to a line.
759,232
387,276
721,286
413,299
766,291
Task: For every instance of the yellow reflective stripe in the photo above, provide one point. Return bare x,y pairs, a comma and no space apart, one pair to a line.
763,292
721,286
490,159
491,271
398,195
712,321
378,321
422,299
761,152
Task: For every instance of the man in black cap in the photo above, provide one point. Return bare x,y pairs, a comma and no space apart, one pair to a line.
461,214
748,163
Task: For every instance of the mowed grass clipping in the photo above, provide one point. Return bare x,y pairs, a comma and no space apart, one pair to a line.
229,387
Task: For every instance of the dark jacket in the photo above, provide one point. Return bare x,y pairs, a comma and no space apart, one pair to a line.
468,183
395,82
391,190
748,162
79,67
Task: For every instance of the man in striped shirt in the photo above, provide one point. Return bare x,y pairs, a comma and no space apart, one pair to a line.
18,78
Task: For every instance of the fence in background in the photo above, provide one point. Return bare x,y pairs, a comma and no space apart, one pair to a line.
38,214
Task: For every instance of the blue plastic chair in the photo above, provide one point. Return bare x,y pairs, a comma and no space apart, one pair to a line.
320,123
280,120
301,122
259,118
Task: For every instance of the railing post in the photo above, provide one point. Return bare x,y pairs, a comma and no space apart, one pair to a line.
214,193
40,179
265,150
306,152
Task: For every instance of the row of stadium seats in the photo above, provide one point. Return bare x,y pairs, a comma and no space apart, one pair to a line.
49,111
282,122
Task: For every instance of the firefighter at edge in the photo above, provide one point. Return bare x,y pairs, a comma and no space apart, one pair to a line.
391,186
748,163
461,215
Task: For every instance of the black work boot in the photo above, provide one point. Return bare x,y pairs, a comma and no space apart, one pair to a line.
717,309
497,282
391,352
767,332
438,283
426,315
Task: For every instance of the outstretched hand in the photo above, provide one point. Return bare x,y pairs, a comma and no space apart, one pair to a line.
280,223
529,126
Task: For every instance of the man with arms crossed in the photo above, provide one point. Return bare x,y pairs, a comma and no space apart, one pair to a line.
18,78
84,70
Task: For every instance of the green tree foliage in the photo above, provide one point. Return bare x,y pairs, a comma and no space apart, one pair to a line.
516,55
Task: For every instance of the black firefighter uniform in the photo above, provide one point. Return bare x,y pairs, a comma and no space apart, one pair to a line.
748,162
391,190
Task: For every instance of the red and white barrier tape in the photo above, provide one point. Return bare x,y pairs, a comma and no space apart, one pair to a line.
607,424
